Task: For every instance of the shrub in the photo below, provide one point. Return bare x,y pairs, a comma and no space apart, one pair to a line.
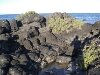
90,53
28,17
60,22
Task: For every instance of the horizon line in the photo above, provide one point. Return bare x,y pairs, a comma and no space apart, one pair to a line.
47,13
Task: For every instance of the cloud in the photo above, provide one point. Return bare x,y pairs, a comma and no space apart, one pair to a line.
49,6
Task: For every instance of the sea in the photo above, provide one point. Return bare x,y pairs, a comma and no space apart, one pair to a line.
87,17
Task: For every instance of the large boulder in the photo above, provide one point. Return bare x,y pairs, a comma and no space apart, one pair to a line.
52,39
14,26
5,24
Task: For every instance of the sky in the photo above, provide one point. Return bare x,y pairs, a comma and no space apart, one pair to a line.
49,6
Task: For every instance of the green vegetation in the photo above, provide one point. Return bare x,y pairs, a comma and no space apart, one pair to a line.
90,53
60,22
28,17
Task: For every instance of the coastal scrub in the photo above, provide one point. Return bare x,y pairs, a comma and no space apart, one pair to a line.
60,22
91,53
28,17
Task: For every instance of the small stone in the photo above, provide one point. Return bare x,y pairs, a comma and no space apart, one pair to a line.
43,64
63,59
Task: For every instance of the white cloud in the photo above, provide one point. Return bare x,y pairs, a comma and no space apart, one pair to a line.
49,6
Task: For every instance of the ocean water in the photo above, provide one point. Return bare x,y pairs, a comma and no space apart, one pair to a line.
87,17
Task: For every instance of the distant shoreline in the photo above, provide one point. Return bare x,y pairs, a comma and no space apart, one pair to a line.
87,17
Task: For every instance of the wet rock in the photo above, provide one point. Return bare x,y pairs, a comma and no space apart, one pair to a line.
14,26
32,32
63,59
4,60
16,71
5,24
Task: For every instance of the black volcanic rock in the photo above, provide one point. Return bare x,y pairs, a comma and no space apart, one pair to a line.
28,46
16,71
95,71
14,26
5,24
1,30
4,60
32,32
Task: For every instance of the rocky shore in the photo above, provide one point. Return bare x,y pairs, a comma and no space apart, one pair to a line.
30,47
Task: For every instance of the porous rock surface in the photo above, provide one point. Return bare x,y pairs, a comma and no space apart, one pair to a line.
28,48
